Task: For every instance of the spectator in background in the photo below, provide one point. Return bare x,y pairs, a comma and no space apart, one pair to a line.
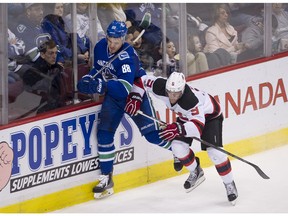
253,38
203,61
281,32
172,63
107,12
15,45
221,37
198,60
83,33
54,24
15,84
145,59
153,34
14,11
43,77
239,14
29,29
54,8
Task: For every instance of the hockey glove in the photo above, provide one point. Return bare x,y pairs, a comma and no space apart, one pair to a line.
88,85
101,86
172,130
133,103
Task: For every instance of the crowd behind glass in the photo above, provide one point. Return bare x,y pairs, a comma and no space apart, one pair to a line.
47,40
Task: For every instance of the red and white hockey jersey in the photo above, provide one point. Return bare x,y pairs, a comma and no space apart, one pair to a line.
195,107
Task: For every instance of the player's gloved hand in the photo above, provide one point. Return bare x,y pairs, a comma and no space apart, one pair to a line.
133,103
101,86
88,85
172,130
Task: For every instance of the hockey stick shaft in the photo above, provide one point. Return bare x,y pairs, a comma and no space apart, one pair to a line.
259,171
152,118
116,56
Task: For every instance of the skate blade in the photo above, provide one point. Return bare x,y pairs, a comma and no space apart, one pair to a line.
105,193
198,182
233,203
178,171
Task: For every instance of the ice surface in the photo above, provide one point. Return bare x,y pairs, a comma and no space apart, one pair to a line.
256,195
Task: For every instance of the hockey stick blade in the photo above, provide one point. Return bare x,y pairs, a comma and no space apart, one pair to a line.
116,56
259,171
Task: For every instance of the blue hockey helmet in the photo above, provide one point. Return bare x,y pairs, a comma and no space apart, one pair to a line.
117,29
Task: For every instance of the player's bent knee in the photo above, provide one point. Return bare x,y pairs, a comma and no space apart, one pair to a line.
180,149
216,156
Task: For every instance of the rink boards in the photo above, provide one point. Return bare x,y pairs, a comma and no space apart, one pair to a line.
55,161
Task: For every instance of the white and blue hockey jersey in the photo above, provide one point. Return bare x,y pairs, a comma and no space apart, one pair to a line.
121,72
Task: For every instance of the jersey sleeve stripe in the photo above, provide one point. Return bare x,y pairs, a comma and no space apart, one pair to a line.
216,109
126,84
199,125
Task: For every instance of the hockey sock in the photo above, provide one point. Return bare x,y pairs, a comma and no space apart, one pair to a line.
222,164
189,161
182,151
106,151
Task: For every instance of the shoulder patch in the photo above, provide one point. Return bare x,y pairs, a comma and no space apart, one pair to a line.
21,28
123,55
159,87
188,104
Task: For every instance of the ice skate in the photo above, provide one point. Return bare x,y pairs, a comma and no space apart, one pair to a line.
195,178
177,164
104,187
232,193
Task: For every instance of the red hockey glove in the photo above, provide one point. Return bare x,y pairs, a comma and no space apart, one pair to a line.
172,130
133,103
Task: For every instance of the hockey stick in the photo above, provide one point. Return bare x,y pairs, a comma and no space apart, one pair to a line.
116,56
259,171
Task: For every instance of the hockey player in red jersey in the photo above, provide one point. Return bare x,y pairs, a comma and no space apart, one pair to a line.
199,115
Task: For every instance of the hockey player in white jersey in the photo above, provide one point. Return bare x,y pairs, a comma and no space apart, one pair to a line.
199,115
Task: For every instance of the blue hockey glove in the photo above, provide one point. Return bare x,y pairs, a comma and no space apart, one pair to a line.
101,86
88,85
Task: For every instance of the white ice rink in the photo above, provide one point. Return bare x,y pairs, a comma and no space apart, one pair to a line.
256,195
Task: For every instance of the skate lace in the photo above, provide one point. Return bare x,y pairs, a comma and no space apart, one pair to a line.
193,176
176,160
103,180
230,188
